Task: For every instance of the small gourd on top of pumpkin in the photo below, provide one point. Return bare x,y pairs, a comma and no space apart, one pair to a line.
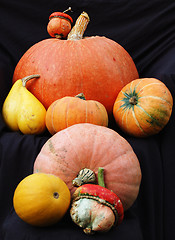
59,24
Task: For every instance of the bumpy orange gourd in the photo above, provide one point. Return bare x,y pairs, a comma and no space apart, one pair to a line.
143,107
88,146
59,24
68,111
41,199
97,66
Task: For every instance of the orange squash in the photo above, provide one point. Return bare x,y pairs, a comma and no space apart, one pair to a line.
67,111
59,24
83,147
41,199
97,66
143,107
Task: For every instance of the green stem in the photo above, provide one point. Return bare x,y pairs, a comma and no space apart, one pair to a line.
101,177
133,100
81,96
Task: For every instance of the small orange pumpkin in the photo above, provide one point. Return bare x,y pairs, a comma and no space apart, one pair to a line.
41,199
143,107
68,111
59,24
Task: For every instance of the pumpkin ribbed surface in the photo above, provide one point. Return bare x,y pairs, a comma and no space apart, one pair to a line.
143,107
91,146
96,66
68,111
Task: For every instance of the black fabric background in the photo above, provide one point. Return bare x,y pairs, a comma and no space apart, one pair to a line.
146,29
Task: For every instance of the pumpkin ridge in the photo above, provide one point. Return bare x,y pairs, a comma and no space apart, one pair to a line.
53,117
111,161
103,123
110,43
53,151
86,111
58,159
79,55
136,121
118,107
123,185
94,49
153,119
93,151
67,113
139,82
131,91
156,97
91,162
147,85
73,147
125,117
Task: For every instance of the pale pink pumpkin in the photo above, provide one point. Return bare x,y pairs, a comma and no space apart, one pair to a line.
91,146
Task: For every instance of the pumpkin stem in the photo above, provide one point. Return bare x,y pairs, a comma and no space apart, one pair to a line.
81,96
101,177
25,79
58,36
133,100
80,26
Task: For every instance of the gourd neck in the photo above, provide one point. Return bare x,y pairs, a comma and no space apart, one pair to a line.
25,79
88,176
79,28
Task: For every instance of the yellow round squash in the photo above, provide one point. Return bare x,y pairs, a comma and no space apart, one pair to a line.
41,199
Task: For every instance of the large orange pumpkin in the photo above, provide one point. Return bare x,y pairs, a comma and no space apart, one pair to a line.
88,146
143,107
97,66
67,111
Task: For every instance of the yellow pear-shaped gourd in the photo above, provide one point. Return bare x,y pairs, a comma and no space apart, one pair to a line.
22,110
